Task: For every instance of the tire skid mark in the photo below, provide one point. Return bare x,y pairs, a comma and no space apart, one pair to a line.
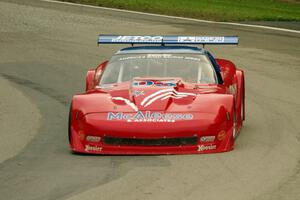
35,86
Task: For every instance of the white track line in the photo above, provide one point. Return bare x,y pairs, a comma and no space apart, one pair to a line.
174,17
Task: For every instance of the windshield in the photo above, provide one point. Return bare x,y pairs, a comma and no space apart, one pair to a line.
192,68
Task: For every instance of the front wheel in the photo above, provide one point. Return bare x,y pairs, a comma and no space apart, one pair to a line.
243,110
234,126
243,103
69,123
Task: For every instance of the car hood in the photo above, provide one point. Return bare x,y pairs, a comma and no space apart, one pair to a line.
154,94
165,95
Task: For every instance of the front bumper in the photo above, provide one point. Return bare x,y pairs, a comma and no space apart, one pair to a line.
81,145
151,138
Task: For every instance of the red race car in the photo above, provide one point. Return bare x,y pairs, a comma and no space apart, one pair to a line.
165,97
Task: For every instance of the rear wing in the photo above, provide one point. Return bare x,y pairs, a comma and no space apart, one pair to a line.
167,39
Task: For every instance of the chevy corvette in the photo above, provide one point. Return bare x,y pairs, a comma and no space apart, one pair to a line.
164,96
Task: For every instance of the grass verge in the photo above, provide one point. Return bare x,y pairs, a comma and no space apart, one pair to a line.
218,10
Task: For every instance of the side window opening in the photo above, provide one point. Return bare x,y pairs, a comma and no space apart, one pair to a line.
216,67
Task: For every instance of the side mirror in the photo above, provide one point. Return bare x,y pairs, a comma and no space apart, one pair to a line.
89,83
93,76
227,70
98,72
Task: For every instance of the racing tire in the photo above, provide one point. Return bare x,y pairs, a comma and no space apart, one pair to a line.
234,126
243,103
69,124
242,110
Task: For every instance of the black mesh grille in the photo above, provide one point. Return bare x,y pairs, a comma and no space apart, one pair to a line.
150,142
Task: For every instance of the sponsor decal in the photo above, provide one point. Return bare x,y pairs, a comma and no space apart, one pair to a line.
81,134
132,58
137,93
91,138
193,39
207,138
149,116
159,56
92,148
138,38
206,147
153,83
221,135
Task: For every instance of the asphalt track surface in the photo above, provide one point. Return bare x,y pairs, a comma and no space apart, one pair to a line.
45,51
